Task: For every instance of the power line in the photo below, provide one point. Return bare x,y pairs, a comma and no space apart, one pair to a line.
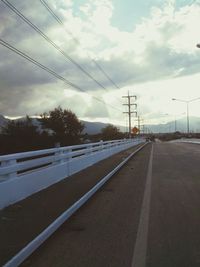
27,57
76,40
108,77
58,20
33,26
49,9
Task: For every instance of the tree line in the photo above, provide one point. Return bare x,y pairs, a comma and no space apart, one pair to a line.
58,127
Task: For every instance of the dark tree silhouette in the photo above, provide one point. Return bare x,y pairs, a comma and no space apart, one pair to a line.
65,126
21,135
23,129
111,132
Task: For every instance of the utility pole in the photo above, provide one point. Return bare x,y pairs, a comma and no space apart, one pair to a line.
139,120
129,104
142,130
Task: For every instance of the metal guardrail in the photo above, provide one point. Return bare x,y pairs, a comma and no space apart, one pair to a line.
23,174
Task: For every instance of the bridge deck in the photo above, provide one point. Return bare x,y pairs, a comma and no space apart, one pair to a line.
147,215
21,222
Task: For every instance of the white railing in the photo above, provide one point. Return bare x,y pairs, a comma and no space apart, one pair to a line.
23,174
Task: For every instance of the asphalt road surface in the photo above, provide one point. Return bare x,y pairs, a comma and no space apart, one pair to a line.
146,215
174,223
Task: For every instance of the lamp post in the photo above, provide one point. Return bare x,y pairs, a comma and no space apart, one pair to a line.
187,103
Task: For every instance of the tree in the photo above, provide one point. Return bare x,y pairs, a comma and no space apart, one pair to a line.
65,125
20,135
111,132
23,129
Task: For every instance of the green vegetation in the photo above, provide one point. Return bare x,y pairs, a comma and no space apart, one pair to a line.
111,132
56,126
21,129
65,126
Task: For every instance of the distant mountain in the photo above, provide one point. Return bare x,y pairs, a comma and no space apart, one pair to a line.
93,127
180,125
96,127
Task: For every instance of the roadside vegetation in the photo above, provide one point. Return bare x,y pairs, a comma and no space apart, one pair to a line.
58,127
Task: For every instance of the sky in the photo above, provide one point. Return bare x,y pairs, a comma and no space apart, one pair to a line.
144,48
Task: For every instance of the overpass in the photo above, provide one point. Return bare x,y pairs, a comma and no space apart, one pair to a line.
146,215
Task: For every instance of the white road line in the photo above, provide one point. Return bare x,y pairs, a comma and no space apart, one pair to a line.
139,255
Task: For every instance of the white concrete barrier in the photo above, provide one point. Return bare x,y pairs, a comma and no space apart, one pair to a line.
185,140
23,174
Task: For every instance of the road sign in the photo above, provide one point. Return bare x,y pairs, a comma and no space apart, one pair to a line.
135,130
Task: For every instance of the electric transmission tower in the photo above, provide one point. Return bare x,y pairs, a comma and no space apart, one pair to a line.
139,125
129,112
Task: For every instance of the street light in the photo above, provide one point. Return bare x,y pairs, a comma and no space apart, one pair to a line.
187,102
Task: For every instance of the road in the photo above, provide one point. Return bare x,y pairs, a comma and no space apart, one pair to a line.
148,215
174,225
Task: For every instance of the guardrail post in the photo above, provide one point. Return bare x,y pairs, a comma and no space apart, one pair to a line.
90,146
8,163
63,153
101,145
58,159
67,160
68,151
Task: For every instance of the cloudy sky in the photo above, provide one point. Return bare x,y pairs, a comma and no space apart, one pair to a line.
145,47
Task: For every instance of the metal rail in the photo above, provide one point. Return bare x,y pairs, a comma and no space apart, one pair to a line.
43,236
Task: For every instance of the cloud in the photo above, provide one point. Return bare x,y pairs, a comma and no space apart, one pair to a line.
161,46
96,110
